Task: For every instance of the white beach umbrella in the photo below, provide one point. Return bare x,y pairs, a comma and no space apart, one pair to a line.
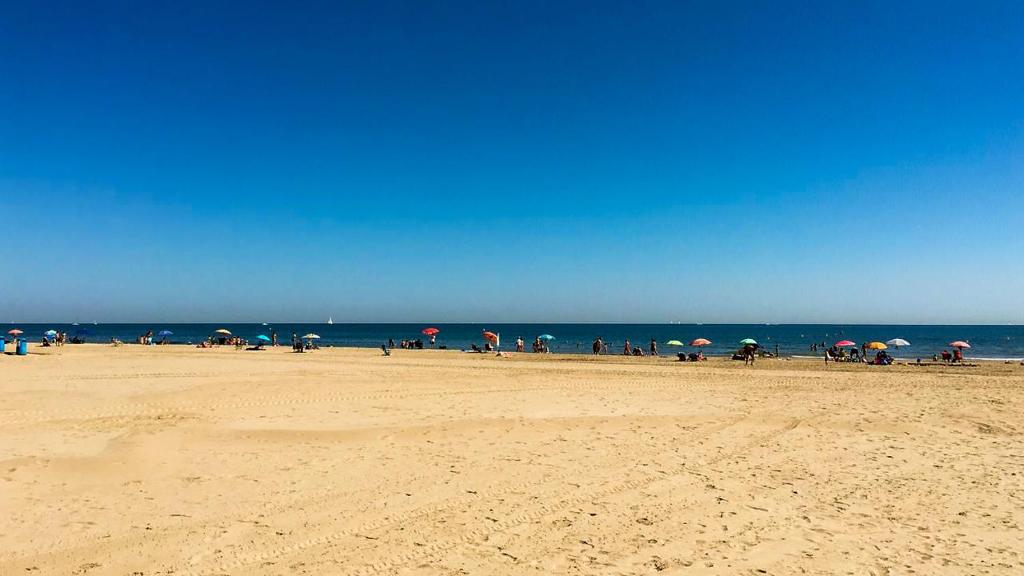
897,342
311,337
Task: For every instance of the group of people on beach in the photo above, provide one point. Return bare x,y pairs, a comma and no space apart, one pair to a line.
600,347
59,339
839,354
540,346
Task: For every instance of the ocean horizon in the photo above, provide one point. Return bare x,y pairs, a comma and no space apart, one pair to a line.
988,341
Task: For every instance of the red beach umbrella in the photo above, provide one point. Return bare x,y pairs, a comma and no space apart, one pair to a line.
700,342
845,343
430,331
490,337
959,344
15,332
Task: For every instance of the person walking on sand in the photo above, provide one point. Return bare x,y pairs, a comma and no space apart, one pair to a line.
519,344
654,347
597,345
627,350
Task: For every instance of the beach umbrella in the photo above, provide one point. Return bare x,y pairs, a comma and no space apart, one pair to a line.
959,344
223,331
546,337
747,341
263,337
877,346
701,342
897,342
165,333
430,331
490,336
50,333
311,337
14,332
674,343
844,343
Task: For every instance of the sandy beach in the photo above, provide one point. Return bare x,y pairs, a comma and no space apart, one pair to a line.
175,460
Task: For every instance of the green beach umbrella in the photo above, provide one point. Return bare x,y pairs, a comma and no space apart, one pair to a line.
747,341
674,343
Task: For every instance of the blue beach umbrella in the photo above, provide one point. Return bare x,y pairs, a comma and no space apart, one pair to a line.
165,333
50,333
546,337
263,337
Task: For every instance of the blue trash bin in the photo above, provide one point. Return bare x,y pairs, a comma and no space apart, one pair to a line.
22,347
2,344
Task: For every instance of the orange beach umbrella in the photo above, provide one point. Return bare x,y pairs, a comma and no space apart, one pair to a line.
700,342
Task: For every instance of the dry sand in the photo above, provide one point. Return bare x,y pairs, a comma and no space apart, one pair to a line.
175,460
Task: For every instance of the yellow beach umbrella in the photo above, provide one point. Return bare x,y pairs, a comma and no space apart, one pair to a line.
877,346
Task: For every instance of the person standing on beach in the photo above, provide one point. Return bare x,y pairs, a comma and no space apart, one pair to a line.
519,344
597,345
627,350
654,347
748,354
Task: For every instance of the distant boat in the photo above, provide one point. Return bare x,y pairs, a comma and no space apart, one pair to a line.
330,320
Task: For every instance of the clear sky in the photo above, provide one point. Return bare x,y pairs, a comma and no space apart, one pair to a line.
512,161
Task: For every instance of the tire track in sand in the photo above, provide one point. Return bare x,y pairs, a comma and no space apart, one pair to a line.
152,409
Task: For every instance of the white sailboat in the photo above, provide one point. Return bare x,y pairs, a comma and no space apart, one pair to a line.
330,320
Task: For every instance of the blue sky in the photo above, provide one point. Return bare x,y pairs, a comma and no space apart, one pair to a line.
513,161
